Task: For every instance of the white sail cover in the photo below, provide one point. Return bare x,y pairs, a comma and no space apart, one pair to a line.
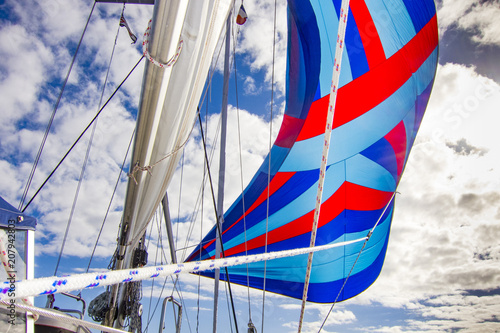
169,100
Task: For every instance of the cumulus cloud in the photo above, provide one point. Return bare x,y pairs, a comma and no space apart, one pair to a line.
445,227
258,35
462,147
479,17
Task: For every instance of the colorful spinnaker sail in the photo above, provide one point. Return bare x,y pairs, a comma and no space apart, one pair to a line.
388,69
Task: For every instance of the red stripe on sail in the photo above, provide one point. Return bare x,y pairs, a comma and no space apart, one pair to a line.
278,180
397,139
367,91
368,32
348,196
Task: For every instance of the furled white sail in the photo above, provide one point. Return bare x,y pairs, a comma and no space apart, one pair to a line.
181,43
169,100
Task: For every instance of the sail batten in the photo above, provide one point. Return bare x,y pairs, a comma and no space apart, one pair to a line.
390,63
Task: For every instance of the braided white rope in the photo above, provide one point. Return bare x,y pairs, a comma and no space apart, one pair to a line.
63,317
145,50
51,285
148,168
339,48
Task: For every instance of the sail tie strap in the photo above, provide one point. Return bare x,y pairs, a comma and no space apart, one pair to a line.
54,284
148,56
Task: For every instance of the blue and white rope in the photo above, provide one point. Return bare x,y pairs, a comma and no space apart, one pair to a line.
52,285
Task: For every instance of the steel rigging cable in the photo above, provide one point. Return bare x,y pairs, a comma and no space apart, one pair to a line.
49,125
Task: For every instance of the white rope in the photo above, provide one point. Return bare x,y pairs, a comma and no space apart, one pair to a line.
145,50
148,168
328,131
51,285
63,317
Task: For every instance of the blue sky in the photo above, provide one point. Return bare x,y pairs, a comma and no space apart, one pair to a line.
442,269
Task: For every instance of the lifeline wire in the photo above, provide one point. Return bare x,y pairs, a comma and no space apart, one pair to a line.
63,317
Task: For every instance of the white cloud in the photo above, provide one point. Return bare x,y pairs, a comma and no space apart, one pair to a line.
445,228
250,87
23,70
256,39
481,18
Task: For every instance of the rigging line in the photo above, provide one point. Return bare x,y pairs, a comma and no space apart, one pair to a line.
87,154
180,198
151,315
342,23
370,233
241,171
159,225
85,130
269,167
228,309
218,228
201,230
49,125
159,298
153,280
179,292
164,257
111,199
157,302
211,73
200,198
202,100
149,167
